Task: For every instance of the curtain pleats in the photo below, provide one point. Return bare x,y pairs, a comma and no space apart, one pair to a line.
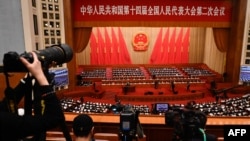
213,57
81,38
221,37
198,46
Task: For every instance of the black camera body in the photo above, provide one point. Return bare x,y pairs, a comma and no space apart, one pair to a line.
187,123
130,127
128,123
58,54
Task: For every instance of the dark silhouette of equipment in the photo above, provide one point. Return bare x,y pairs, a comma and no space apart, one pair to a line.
156,84
222,93
130,127
172,85
213,85
188,86
224,76
188,125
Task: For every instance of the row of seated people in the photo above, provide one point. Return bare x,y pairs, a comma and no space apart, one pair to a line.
239,106
122,77
134,73
84,83
197,71
127,72
189,71
142,82
153,81
78,106
160,72
95,73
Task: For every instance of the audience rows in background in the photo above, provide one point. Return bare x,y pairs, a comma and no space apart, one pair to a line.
239,106
144,75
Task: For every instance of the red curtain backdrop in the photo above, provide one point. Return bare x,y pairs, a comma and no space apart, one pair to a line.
93,47
172,48
124,55
178,47
165,45
101,48
104,52
108,46
185,45
114,50
156,53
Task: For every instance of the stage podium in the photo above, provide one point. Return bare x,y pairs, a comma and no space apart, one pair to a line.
128,88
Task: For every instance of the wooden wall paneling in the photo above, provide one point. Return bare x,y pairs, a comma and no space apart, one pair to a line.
236,41
69,39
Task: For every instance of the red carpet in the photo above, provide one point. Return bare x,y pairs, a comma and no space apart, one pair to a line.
199,93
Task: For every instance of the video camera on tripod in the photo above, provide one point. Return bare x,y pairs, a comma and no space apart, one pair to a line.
188,124
130,127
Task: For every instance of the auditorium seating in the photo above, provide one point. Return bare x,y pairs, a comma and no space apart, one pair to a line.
76,106
238,106
127,73
145,74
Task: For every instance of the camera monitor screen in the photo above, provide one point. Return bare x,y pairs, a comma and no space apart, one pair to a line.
160,107
244,74
61,77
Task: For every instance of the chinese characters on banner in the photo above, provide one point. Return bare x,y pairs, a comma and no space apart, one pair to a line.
160,10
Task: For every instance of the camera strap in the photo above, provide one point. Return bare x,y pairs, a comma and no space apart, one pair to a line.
203,133
10,96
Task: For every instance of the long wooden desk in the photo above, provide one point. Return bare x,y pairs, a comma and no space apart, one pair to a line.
160,119
154,125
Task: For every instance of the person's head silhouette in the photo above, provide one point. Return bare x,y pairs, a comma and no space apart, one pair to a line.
83,127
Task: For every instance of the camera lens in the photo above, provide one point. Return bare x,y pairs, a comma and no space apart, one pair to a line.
59,54
56,53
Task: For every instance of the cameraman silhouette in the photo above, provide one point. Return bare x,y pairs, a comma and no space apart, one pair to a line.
201,135
14,127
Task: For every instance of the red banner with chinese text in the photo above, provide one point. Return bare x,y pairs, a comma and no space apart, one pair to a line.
152,10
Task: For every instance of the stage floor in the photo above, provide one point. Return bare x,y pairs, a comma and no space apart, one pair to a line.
148,94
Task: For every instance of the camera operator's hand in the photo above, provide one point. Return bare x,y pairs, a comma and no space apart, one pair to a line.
35,68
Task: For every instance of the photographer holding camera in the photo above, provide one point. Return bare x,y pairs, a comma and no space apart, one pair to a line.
47,112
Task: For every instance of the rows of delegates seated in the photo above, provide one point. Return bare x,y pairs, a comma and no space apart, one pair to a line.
122,76
78,106
239,106
197,71
94,73
159,72
172,74
86,75
136,75
127,73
